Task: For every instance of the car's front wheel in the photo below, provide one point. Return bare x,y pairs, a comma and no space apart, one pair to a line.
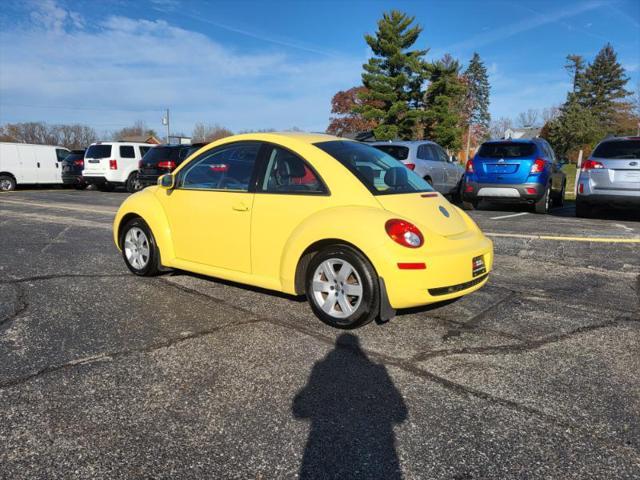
139,248
342,287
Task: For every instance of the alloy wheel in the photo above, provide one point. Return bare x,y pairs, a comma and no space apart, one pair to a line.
337,288
136,248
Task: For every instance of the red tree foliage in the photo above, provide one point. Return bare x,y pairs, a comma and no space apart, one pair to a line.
345,120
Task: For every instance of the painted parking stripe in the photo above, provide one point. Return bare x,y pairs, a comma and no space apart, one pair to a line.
61,206
509,216
566,239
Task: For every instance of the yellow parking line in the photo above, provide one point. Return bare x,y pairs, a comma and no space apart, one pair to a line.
59,206
566,239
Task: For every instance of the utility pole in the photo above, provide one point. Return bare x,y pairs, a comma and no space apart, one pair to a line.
165,121
468,140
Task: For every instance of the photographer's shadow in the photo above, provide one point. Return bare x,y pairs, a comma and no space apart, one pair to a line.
353,406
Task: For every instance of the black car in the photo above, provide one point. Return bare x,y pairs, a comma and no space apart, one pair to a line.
72,166
163,159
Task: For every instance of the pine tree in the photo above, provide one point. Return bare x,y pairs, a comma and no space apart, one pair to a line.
478,91
575,67
445,102
602,88
393,78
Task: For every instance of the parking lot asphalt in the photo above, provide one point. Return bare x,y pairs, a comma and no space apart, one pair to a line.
107,375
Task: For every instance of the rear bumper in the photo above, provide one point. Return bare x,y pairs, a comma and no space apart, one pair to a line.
71,179
146,180
502,192
448,274
605,199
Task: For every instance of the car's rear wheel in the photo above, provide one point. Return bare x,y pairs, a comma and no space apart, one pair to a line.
558,200
139,248
7,183
542,206
133,183
470,205
342,287
583,209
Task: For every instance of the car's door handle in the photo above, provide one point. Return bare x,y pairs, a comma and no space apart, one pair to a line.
240,207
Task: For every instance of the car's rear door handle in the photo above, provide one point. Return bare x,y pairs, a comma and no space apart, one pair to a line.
240,207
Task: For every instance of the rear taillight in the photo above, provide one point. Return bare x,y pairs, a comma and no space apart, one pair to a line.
404,233
538,166
139,164
79,163
469,167
113,164
591,165
410,166
168,164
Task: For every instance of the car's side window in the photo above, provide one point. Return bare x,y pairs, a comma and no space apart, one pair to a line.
144,150
425,152
441,155
127,152
229,167
288,173
61,154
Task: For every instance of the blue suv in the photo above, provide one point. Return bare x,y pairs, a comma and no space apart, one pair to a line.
523,171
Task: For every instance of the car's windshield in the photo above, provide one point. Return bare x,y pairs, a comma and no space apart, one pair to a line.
396,151
157,154
506,150
73,156
98,151
618,149
379,172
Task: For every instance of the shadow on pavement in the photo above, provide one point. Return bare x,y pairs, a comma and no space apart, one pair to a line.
352,405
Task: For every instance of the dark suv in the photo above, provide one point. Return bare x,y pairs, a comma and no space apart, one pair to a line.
523,171
163,159
72,166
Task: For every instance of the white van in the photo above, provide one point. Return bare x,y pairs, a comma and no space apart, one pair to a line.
25,163
108,164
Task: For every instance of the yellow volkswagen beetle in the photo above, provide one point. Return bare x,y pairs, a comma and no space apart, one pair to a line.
335,219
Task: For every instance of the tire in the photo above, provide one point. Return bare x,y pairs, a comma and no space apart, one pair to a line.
106,187
139,248
456,195
470,205
80,186
542,205
325,289
428,180
583,210
133,183
7,183
558,200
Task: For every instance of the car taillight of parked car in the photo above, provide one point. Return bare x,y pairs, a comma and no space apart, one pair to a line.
167,164
404,233
113,164
591,165
538,166
79,163
469,167
410,166
139,164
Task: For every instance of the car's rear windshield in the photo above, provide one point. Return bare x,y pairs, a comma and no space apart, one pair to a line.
158,154
74,156
618,149
507,150
396,151
98,151
378,171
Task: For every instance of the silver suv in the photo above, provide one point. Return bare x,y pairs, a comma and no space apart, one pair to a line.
429,160
610,176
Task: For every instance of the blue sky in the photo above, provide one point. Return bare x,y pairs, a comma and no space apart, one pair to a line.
251,65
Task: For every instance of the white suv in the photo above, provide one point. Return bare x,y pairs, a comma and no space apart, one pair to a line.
108,164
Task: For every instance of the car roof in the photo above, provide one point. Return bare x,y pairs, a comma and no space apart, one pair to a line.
303,137
619,139
513,140
405,143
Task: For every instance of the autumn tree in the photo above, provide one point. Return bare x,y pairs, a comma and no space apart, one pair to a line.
71,136
209,133
345,119
139,128
527,119
393,78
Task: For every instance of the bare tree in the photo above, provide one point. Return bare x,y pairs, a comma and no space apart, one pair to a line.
139,128
549,114
209,133
528,119
498,127
70,136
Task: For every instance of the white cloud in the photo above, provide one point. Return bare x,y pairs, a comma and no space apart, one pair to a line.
123,69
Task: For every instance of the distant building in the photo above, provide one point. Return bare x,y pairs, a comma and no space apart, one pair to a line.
528,132
140,139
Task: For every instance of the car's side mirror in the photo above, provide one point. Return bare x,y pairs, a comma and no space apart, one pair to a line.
166,181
